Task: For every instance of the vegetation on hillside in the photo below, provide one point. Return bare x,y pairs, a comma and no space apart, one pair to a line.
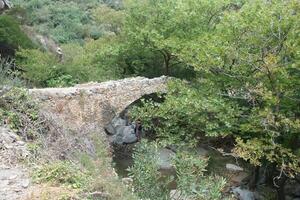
11,36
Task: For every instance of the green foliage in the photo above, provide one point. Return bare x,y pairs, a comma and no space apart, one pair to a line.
61,173
8,75
252,55
177,22
110,18
97,60
248,66
64,21
11,34
21,113
38,66
189,112
99,168
61,81
149,183
191,181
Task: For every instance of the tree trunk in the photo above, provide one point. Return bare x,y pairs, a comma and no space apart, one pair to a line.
167,59
280,189
167,67
254,179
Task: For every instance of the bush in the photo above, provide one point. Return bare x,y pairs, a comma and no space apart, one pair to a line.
95,61
21,113
11,34
9,76
64,21
61,173
191,181
149,183
147,180
99,168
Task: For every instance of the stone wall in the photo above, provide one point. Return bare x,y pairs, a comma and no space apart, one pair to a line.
95,104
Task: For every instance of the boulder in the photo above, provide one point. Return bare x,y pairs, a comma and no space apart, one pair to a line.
2,5
127,181
116,123
124,135
243,194
292,188
234,168
129,135
5,4
165,159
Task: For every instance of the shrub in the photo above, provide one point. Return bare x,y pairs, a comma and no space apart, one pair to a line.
95,61
61,173
21,113
11,34
192,183
99,168
147,180
64,21
9,76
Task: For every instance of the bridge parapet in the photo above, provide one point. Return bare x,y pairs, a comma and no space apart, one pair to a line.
95,104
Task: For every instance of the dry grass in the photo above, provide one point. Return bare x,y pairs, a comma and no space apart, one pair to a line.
47,192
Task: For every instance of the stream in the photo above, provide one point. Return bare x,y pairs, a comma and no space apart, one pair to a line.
237,172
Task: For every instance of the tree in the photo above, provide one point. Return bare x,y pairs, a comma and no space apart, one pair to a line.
163,25
104,15
247,59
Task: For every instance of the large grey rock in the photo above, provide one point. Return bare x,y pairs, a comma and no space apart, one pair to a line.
165,159
116,123
234,168
243,194
5,4
201,151
2,5
124,135
293,188
129,135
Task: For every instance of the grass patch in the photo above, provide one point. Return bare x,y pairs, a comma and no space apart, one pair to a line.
61,173
102,179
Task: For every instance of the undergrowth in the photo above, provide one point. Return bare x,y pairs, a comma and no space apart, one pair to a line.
21,113
88,174
61,173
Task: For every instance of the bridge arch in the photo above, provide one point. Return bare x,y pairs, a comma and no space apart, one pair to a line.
93,105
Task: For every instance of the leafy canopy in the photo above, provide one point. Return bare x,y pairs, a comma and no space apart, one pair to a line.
247,61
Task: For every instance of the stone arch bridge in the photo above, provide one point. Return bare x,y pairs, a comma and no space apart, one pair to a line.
93,105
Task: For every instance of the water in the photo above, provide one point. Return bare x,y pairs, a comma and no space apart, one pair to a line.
122,159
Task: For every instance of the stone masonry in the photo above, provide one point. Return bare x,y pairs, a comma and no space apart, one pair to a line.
95,104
